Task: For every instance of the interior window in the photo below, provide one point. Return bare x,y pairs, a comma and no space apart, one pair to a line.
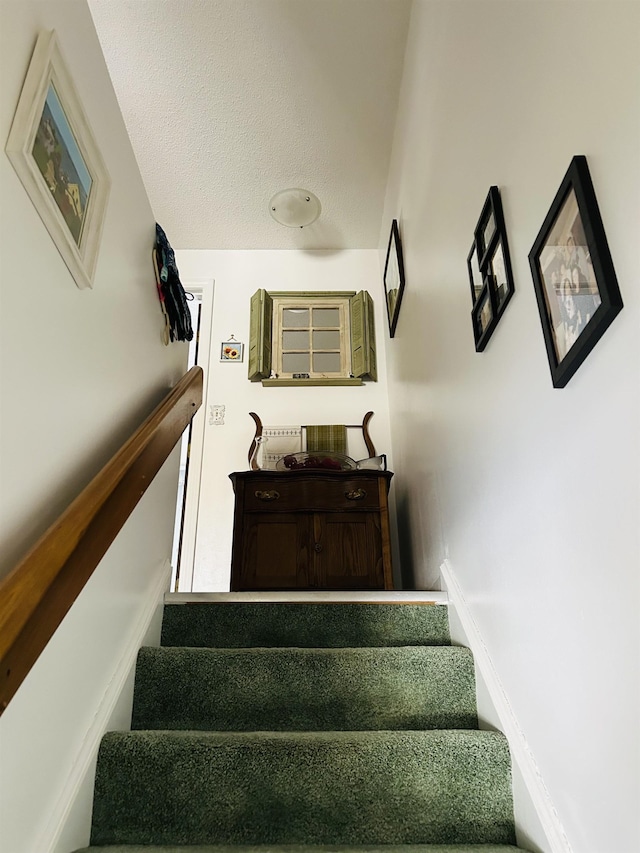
297,337
311,339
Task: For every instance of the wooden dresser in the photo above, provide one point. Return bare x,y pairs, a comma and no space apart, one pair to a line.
311,530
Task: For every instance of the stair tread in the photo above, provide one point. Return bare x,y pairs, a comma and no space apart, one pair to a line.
339,736
303,787
307,848
415,687
239,766
243,624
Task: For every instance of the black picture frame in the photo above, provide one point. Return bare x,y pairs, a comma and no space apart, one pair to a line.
393,277
483,315
573,275
489,269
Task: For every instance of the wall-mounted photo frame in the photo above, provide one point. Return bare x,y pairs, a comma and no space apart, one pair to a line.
489,269
55,155
483,316
393,277
573,275
231,350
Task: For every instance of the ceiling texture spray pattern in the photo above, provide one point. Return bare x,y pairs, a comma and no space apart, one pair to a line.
229,101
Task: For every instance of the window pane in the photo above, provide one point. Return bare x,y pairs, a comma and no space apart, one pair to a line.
323,317
295,318
295,340
326,362
326,340
295,362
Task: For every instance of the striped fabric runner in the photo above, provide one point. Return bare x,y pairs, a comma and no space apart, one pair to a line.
278,441
329,437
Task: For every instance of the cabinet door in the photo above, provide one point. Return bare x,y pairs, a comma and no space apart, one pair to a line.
348,550
275,552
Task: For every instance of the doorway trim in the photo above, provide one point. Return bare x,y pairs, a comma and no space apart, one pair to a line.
203,290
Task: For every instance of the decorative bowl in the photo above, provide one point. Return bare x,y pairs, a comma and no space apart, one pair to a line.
322,461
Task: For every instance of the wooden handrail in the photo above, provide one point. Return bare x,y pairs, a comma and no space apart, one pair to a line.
37,594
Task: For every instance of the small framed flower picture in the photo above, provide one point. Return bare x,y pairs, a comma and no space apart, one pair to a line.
231,350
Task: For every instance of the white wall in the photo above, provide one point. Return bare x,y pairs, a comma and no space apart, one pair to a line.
530,493
238,274
79,371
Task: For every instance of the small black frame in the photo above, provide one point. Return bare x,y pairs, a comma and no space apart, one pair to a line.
489,268
573,275
393,277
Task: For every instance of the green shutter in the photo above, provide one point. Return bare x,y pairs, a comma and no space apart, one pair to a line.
260,335
363,337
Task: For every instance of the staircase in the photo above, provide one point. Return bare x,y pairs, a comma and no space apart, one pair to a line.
303,727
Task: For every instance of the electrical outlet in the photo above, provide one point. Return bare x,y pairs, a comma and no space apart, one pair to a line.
216,415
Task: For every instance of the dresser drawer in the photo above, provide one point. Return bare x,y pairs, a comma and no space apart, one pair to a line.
311,493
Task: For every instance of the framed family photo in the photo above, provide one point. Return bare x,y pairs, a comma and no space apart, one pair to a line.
489,269
573,275
54,153
393,277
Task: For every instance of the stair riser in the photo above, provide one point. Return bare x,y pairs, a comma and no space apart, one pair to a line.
246,625
305,689
324,788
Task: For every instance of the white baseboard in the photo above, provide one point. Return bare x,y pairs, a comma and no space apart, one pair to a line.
523,760
86,755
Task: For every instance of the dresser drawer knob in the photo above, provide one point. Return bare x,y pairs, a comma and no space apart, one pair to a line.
355,495
267,496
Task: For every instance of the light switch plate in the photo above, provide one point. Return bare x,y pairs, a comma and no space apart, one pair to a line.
216,415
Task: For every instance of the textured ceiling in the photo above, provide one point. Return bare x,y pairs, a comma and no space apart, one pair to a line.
228,101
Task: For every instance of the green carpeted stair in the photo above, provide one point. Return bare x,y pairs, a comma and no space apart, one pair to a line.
269,625
302,848
419,687
304,728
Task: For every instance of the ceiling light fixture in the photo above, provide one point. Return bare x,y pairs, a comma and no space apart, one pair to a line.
295,207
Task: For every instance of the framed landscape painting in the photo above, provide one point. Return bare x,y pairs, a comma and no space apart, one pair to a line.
573,275
55,155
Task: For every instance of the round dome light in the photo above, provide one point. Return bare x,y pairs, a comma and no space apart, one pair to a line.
295,207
